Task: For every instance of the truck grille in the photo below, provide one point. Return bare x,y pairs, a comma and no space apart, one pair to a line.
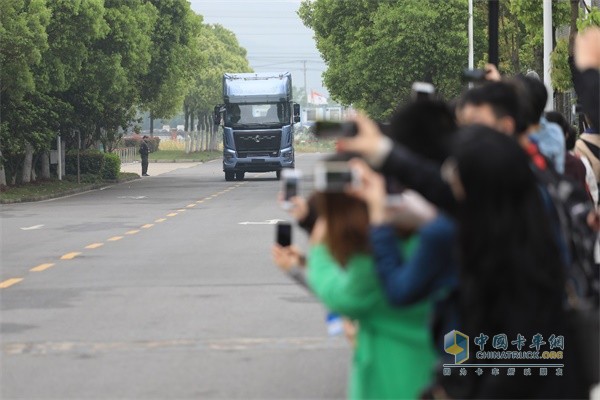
257,142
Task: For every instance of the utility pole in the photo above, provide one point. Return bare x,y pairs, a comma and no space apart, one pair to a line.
471,58
305,87
547,51
494,6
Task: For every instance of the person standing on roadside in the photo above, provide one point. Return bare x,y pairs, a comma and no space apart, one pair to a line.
144,151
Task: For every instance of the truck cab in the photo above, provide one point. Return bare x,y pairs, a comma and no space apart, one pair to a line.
258,117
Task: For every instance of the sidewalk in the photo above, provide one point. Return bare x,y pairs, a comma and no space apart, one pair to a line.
155,169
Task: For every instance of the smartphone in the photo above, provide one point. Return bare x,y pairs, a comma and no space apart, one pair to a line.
331,129
284,234
290,179
422,91
473,75
335,177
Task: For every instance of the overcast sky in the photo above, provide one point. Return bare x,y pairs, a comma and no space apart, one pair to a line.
273,35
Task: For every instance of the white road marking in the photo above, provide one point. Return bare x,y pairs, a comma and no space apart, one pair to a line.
30,228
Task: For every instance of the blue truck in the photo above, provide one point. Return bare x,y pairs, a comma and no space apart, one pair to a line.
258,117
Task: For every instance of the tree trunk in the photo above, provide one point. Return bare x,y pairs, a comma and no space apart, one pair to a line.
151,124
192,121
2,172
186,116
45,165
573,26
27,163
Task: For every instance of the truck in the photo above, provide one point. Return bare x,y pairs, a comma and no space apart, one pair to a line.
258,117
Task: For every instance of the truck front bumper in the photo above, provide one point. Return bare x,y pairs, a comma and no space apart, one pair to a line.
231,163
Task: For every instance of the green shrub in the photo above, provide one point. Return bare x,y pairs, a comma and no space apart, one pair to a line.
90,162
111,166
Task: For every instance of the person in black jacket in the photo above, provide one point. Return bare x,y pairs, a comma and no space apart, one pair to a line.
144,151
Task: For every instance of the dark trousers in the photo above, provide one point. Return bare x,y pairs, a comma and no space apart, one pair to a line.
144,165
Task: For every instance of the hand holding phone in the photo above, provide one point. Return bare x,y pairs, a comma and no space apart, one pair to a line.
290,179
335,177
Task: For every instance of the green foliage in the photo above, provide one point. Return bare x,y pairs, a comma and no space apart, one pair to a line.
23,39
375,50
561,74
219,52
111,166
90,162
153,142
591,19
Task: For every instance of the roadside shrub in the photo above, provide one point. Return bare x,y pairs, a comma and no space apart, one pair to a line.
90,162
111,166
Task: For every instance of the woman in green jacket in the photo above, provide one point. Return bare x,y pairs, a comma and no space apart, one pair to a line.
394,354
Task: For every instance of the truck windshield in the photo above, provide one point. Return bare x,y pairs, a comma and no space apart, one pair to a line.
257,114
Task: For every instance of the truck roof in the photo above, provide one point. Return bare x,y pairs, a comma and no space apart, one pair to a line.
257,87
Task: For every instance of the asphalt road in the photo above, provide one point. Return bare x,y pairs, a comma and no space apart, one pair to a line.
156,289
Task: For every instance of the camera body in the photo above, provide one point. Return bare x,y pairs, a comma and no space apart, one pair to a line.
335,177
290,182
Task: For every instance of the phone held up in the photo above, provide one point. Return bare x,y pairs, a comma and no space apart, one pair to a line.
335,177
284,234
290,181
422,91
331,129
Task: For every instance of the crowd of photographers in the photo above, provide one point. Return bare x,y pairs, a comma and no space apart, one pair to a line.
476,217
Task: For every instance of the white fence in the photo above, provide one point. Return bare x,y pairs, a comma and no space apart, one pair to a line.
127,154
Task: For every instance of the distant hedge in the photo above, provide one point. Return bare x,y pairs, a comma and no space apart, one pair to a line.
153,142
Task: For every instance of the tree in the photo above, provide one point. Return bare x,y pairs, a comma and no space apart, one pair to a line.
23,39
221,52
163,86
375,50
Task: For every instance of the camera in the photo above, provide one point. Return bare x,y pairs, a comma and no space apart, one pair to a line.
284,234
335,177
474,75
290,179
331,129
422,91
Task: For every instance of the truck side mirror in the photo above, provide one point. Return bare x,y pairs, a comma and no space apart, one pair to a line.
296,112
217,112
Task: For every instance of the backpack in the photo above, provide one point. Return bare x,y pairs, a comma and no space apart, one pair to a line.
572,205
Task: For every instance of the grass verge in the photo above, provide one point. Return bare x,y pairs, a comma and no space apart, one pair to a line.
177,155
53,188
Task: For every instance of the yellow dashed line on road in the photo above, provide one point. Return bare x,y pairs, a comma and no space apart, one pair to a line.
94,245
171,215
191,205
147,226
181,210
132,232
115,238
160,220
9,282
200,201
42,267
70,256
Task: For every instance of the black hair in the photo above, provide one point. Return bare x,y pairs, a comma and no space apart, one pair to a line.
426,127
536,97
502,97
568,130
510,256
